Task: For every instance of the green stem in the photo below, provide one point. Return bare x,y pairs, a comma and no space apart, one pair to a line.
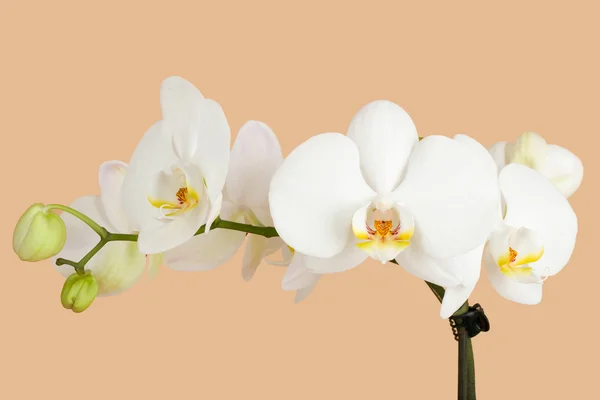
465,351
90,222
106,237
466,359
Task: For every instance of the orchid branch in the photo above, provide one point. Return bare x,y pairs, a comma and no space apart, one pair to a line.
107,237
466,360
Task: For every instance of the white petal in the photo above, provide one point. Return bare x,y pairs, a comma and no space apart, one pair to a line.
467,267
117,267
418,263
153,154
498,153
315,192
534,202
349,258
213,213
160,235
454,298
451,188
385,135
254,252
181,102
212,153
154,263
297,276
274,244
111,177
204,252
302,294
563,168
255,157
524,293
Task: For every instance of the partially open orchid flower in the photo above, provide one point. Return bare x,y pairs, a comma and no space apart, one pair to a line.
556,163
255,156
177,172
118,265
536,239
379,191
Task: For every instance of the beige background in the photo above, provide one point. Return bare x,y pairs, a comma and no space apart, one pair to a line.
79,85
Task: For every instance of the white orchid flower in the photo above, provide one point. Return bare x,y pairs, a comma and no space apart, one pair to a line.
255,156
177,172
118,265
379,191
536,239
556,163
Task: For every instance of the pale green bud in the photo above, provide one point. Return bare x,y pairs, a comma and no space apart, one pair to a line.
79,292
39,234
530,149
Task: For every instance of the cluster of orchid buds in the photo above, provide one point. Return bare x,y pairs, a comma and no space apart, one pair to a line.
439,207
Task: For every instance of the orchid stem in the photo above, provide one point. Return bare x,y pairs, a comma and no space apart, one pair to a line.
106,236
84,218
466,370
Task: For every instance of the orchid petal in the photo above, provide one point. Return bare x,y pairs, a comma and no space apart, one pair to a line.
213,213
454,298
254,252
348,258
563,168
212,153
418,263
204,252
160,235
154,263
451,188
302,294
153,155
535,203
315,193
297,276
111,177
255,157
511,289
181,102
498,153
385,135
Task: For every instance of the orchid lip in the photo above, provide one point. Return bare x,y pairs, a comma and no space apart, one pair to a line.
176,192
383,230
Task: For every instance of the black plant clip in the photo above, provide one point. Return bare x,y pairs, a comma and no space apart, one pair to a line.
474,321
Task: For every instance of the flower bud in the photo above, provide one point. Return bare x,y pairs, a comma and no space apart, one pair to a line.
39,234
79,292
530,149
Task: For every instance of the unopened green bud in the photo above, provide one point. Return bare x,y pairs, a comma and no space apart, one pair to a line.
39,234
529,149
79,292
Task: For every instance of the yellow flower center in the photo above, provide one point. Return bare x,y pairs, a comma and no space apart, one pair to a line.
382,227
